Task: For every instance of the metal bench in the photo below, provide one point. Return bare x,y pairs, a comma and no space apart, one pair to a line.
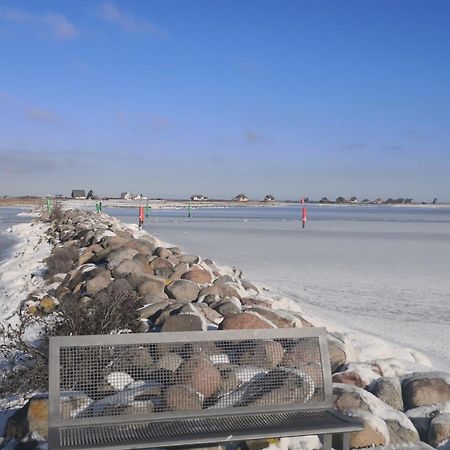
148,390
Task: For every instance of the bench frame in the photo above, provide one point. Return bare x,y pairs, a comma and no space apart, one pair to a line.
56,423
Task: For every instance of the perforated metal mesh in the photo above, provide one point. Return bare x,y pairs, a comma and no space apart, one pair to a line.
150,379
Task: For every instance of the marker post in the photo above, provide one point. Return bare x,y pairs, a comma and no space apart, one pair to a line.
302,201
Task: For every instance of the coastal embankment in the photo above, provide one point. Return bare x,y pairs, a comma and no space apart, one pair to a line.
102,276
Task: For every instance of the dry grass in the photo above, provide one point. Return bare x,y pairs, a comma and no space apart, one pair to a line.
21,201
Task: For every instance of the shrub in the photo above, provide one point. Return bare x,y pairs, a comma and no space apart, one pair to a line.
110,312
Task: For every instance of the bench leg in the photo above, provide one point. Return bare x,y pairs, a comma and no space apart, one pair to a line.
327,441
345,441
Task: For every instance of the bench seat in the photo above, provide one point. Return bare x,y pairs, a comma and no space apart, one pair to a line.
187,431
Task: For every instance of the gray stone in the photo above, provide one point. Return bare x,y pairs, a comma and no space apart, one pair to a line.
96,284
183,289
128,267
190,259
162,252
149,310
183,322
439,430
425,389
169,361
389,391
164,272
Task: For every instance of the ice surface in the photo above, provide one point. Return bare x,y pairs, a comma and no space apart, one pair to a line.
377,274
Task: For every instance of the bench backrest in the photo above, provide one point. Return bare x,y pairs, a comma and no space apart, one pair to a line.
117,378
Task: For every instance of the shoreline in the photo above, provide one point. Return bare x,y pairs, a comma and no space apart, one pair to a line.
180,204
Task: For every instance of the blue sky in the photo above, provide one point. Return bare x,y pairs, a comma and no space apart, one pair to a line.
171,98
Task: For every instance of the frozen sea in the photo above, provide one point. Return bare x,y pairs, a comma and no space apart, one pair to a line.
373,269
9,217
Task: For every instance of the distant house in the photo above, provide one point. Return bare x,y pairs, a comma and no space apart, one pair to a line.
365,201
241,198
90,195
378,201
324,200
199,198
140,197
353,200
269,198
78,194
126,196
341,199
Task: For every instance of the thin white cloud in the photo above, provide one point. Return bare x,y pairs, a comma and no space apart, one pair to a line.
58,25
252,136
126,21
40,115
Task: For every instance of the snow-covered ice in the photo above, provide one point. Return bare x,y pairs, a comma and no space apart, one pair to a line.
376,273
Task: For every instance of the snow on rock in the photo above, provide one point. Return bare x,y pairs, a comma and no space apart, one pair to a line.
400,427
119,380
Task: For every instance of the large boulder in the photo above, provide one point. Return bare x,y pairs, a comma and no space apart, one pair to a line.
33,417
183,290
394,425
439,430
153,286
96,284
197,276
181,398
425,389
245,320
183,322
389,391
200,375
127,267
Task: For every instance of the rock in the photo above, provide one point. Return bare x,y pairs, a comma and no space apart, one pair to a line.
439,430
394,425
245,320
197,276
33,417
425,389
152,286
372,435
149,310
181,398
119,287
47,304
210,314
141,245
183,322
199,374
389,391
280,318
128,267
249,301
135,279
121,254
189,259
248,286
422,416
183,289
181,267
337,353
164,272
162,252
348,378
265,354
228,290
278,386
223,279
159,263
228,306
169,361
96,284
85,257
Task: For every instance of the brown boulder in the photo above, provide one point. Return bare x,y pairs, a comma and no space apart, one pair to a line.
197,276
425,389
266,354
181,398
199,374
349,378
245,321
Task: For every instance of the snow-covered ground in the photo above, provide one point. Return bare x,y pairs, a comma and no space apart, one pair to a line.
24,249
379,274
